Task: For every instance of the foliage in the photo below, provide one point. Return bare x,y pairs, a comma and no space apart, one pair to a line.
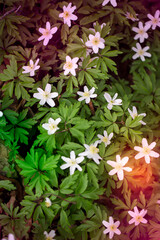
31,159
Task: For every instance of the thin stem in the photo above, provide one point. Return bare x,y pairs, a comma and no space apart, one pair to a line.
61,198
91,107
14,9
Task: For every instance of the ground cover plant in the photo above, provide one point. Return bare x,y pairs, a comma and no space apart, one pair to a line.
79,119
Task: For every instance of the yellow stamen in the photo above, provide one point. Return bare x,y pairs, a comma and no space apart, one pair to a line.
86,94
66,14
146,150
141,52
95,41
69,65
105,140
94,150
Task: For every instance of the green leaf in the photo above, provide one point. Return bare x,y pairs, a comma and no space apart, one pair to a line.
64,221
82,184
7,185
90,80
77,134
36,168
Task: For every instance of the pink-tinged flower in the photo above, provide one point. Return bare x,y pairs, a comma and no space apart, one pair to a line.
141,32
47,33
154,21
46,95
91,152
70,65
105,139
87,94
50,235
31,68
10,237
119,166
72,162
140,52
146,151
95,42
131,17
112,101
113,2
94,24
111,227
135,114
68,15
137,216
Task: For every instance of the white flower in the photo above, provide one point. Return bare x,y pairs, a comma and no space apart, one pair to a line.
91,152
72,162
48,202
113,2
146,151
154,21
70,65
140,52
141,32
10,237
95,42
1,113
94,24
112,101
47,33
112,227
87,94
134,114
51,126
106,139
46,95
131,17
119,166
31,68
68,15
137,216
50,235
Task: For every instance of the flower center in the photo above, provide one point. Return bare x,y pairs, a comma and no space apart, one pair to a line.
69,65
47,204
52,126
131,16
141,32
139,218
95,41
72,161
86,94
46,94
94,150
66,14
32,66
105,140
154,20
118,167
134,115
47,32
146,150
141,52
49,238
113,227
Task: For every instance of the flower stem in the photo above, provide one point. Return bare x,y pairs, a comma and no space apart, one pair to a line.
91,107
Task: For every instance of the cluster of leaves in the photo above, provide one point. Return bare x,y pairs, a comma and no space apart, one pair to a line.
80,202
